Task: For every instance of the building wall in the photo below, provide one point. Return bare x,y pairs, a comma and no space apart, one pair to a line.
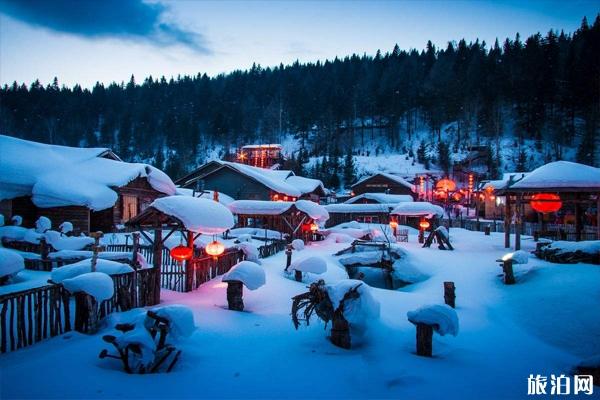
381,184
374,218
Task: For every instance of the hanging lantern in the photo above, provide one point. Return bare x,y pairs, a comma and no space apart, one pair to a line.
181,253
393,224
447,185
214,248
314,227
424,224
546,202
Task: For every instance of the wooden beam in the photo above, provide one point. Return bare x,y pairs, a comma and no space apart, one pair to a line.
507,222
518,222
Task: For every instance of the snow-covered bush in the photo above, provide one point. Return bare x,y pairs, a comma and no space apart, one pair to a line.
358,311
97,284
180,317
42,224
11,262
66,227
298,244
441,317
60,242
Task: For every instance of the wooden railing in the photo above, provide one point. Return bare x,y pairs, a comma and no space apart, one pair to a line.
32,315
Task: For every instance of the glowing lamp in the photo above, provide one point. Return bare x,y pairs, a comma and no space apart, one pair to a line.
181,253
446,184
424,224
275,197
393,224
314,227
214,248
546,202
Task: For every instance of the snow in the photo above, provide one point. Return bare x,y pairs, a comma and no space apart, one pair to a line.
588,246
544,324
443,318
70,271
140,336
42,224
56,176
16,220
359,208
198,215
258,233
561,175
59,242
356,311
382,198
206,194
362,258
298,244
10,262
304,185
249,273
315,265
393,177
517,257
12,233
273,179
250,251
78,254
66,227
418,209
181,320
442,230
97,284
313,210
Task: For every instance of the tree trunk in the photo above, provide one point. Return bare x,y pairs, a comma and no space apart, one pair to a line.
509,277
235,291
340,331
86,313
424,340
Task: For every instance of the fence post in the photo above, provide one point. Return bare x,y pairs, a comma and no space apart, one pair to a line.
189,264
134,248
157,264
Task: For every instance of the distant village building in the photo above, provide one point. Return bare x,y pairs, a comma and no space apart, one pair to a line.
384,183
379,198
245,182
260,155
373,213
492,205
89,187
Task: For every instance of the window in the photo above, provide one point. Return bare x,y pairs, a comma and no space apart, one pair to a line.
130,207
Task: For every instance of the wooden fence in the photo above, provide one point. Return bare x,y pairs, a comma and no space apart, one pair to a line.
32,315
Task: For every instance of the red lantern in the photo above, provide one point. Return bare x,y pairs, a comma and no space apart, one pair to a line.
181,253
393,224
546,202
424,224
314,227
214,248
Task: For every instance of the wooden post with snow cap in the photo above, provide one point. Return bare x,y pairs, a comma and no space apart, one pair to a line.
507,267
235,292
424,340
288,255
450,294
96,248
189,263
135,248
157,264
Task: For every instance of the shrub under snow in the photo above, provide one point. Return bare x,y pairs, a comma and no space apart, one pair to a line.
181,320
249,273
356,311
59,242
442,317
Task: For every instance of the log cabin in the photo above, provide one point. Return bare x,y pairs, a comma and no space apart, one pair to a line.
89,187
384,183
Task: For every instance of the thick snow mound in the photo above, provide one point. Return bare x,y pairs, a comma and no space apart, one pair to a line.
356,311
418,209
59,242
79,254
181,320
198,215
66,227
70,271
97,284
12,233
43,224
517,257
443,318
298,244
362,258
407,272
243,238
561,174
250,251
339,238
141,337
313,210
249,273
588,246
316,265
11,262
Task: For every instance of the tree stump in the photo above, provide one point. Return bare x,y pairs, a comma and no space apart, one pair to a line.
487,230
340,331
288,255
449,294
507,267
424,340
87,317
235,290
298,275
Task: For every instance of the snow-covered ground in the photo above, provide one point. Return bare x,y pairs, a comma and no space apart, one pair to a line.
543,325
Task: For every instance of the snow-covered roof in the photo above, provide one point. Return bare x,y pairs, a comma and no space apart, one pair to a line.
305,185
395,178
271,178
207,194
198,215
418,209
381,198
507,178
355,208
56,176
263,146
561,175
262,207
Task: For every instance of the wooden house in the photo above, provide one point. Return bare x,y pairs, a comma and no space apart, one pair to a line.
373,213
260,155
244,182
89,187
384,183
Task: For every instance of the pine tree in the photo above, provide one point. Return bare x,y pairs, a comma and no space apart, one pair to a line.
444,157
522,161
349,170
422,152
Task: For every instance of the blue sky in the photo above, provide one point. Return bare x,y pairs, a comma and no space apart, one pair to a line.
85,41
